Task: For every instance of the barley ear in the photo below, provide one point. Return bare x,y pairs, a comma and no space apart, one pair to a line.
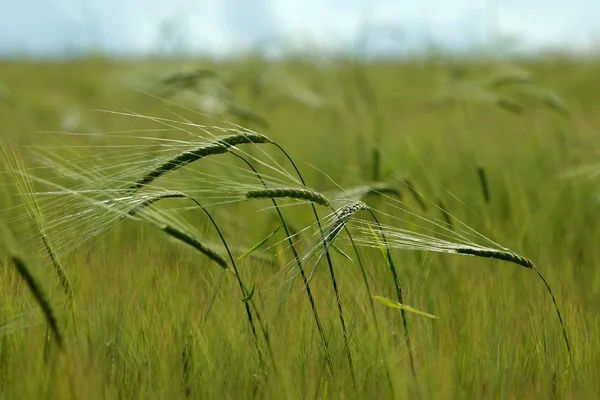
526,263
14,163
293,193
187,157
33,284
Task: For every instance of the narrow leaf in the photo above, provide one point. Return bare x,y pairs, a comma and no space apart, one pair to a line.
394,304
250,295
341,252
382,247
259,244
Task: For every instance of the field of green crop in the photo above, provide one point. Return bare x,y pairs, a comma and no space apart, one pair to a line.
290,230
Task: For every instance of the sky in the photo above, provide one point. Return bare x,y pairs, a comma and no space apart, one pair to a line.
221,28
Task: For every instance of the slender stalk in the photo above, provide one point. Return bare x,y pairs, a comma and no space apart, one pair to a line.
243,289
214,256
372,306
40,296
300,267
400,297
330,264
562,324
525,263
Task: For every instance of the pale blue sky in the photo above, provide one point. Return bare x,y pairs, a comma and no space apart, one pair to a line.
220,27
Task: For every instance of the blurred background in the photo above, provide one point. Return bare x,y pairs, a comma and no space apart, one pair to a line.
225,28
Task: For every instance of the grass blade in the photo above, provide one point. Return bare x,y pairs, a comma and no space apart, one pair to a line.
261,243
341,252
395,304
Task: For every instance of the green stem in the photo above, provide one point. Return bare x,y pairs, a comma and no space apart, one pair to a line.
331,271
300,267
372,306
243,289
400,297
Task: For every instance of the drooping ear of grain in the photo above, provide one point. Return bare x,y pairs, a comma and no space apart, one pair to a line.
175,232
375,189
293,193
219,147
185,80
526,263
32,283
246,116
40,297
415,194
508,104
445,214
14,163
343,215
187,239
496,254
153,199
376,167
509,78
483,182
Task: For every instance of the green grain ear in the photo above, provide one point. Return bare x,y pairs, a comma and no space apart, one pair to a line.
292,193
32,282
220,146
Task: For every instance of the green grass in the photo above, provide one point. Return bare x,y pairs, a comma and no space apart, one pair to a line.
157,319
